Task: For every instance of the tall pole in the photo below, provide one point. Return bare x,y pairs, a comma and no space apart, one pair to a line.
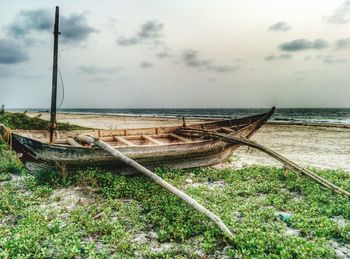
54,76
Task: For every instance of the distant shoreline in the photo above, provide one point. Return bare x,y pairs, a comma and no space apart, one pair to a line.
335,125
196,118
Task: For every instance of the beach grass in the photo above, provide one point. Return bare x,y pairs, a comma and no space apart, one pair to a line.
22,121
94,213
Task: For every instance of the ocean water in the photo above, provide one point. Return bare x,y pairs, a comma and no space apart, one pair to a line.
321,115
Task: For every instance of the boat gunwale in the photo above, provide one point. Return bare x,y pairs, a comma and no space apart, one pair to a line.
261,118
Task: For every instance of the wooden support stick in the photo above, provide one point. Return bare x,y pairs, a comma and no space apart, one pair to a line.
179,137
73,143
243,141
123,140
152,140
228,129
158,180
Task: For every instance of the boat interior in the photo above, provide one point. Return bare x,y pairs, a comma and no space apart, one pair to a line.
142,136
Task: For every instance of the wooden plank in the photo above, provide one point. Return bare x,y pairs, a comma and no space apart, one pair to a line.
227,129
73,142
124,141
158,136
288,163
150,139
60,141
107,139
179,137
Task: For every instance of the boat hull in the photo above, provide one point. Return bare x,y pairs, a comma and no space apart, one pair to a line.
38,154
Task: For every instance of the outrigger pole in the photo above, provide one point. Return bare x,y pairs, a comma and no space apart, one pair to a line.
232,139
157,179
54,76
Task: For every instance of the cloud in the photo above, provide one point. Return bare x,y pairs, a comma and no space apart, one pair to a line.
191,58
74,28
146,64
165,53
331,60
162,54
122,41
150,30
280,26
91,69
11,52
303,44
223,68
343,43
341,15
328,59
27,21
278,57
112,23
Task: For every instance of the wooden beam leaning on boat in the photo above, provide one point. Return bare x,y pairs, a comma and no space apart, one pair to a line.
213,134
157,179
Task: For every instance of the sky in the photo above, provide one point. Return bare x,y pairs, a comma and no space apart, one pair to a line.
177,54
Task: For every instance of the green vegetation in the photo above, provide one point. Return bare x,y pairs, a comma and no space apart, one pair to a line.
22,121
98,214
94,213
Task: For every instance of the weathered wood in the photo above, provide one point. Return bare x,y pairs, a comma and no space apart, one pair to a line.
158,180
54,77
152,140
179,137
288,163
183,121
73,142
228,129
124,141
61,141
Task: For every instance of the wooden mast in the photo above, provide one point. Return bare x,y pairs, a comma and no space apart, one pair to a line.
54,76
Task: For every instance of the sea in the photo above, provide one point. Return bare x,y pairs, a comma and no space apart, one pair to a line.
292,115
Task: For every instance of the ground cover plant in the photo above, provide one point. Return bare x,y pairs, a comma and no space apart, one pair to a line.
94,213
22,121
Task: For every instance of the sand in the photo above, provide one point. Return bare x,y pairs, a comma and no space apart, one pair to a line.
114,121
315,146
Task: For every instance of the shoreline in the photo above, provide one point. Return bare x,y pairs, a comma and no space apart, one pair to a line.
189,118
309,124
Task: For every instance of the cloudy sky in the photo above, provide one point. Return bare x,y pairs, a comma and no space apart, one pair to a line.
176,54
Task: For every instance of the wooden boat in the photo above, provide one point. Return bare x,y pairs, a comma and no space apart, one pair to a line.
151,147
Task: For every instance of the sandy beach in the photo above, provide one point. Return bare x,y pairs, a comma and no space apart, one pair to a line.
114,121
314,146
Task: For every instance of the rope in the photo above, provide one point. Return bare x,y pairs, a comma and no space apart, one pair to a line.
62,100
7,137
